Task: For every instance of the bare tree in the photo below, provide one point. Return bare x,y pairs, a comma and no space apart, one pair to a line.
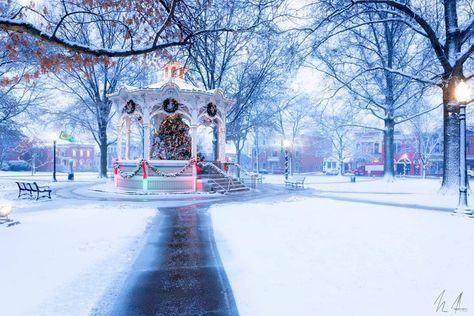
146,26
241,63
10,136
294,116
257,84
429,138
90,83
335,120
369,62
18,87
446,27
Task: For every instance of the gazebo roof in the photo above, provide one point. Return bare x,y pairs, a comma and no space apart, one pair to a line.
181,84
173,85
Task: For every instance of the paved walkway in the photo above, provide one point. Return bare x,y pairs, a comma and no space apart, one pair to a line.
179,271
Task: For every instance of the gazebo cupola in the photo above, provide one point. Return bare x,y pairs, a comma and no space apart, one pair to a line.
174,69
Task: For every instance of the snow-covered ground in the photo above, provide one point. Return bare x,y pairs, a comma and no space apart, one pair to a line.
317,256
304,254
66,254
414,191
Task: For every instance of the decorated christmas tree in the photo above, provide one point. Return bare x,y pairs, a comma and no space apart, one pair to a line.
172,140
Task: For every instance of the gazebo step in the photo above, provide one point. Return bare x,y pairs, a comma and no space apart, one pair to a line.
240,189
222,185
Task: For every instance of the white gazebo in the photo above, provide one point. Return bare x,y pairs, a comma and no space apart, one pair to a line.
167,102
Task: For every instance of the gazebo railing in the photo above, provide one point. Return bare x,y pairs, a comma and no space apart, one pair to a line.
247,177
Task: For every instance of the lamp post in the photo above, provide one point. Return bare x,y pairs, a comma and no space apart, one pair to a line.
462,96
286,145
54,158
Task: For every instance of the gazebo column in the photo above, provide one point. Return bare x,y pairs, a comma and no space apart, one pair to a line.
127,138
194,153
119,140
146,135
194,141
221,143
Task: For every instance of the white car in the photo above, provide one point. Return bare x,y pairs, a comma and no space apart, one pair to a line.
470,173
332,172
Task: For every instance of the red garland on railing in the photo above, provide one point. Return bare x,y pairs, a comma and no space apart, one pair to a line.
144,165
115,166
143,162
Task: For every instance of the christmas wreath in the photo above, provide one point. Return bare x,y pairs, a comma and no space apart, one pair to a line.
130,107
211,109
170,105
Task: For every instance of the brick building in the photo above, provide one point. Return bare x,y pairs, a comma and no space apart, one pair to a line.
306,155
83,156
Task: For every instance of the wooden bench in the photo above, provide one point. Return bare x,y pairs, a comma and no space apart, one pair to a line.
295,182
33,188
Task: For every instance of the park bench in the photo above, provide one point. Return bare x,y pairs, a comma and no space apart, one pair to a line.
33,188
23,189
295,182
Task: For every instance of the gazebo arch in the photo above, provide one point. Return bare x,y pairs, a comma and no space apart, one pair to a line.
150,106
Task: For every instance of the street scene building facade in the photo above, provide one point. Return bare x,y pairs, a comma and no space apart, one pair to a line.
314,154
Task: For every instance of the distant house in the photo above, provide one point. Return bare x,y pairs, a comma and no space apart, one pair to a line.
82,155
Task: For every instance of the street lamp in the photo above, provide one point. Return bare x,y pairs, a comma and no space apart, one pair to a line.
462,94
286,145
53,136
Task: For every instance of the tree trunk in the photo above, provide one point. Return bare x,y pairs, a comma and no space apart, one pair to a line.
341,165
388,170
215,145
238,153
451,139
103,150
451,78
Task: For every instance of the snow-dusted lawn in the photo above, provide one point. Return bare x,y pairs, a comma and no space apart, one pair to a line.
403,190
301,256
312,256
66,254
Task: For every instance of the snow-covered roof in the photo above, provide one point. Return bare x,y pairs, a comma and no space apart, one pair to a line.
183,85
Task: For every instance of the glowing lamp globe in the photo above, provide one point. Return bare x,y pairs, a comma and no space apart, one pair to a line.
286,143
462,92
5,210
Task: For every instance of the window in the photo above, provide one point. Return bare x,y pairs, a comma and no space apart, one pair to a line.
274,153
88,153
376,148
81,153
397,147
74,153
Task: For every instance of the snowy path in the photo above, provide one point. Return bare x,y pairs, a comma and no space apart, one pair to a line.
179,271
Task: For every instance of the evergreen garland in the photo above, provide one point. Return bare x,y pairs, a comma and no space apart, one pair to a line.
172,140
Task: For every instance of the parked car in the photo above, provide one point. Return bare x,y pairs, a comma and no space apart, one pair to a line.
332,172
470,173
360,171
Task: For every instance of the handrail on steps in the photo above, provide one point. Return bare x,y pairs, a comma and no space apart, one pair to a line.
230,179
